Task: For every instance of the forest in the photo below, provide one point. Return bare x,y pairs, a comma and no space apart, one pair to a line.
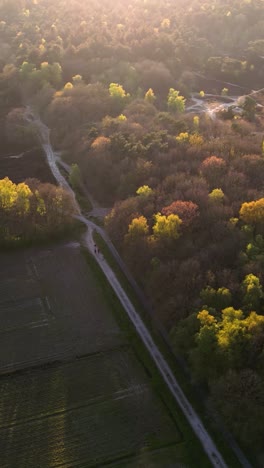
117,83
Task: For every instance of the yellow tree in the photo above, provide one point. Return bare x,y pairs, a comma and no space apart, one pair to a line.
167,227
144,191
117,91
137,228
23,198
216,196
253,212
8,193
150,96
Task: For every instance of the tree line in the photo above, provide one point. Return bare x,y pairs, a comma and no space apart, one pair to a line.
31,211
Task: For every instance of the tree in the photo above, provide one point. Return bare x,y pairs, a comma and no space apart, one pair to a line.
213,168
204,356
253,212
68,86
183,334
77,80
24,195
118,96
167,227
150,96
218,299
196,122
186,210
249,107
144,191
137,228
176,102
8,194
101,143
136,246
216,196
224,92
252,293
32,210
238,395
117,91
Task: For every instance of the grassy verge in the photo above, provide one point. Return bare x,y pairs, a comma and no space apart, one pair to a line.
83,201
186,386
193,452
81,198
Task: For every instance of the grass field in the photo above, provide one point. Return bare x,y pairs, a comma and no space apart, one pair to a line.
72,391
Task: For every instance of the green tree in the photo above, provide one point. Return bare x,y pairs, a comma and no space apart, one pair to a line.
204,357
249,108
252,293
219,298
176,102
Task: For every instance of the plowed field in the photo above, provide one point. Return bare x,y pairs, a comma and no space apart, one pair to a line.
72,392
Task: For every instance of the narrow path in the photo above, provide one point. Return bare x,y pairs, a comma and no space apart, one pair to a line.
195,422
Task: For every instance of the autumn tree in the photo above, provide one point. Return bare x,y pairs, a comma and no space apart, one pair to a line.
150,96
166,227
175,102
252,293
118,95
213,169
145,191
32,211
187,211
136,245
137,228
253,213
216,196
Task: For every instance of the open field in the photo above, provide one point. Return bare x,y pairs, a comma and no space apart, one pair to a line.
100,407
50,309
72,392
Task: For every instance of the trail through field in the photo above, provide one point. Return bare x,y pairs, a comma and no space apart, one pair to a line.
190,414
